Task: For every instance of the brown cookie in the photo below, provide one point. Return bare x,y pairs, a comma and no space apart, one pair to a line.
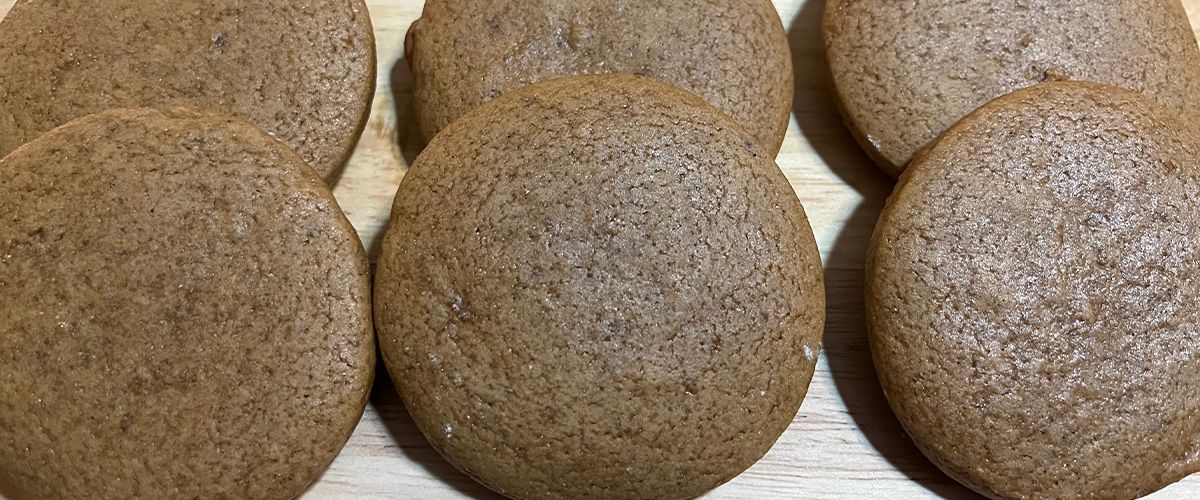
733,53
302,71
1033,300
903,72
599,287
186,313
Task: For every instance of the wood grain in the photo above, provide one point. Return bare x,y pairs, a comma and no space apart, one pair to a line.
844,442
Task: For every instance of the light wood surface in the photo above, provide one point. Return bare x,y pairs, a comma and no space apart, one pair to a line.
844,442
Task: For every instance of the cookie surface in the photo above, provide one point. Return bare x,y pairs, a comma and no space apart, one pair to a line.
1032,295
733,53
302,71
599,287
903,72
186,313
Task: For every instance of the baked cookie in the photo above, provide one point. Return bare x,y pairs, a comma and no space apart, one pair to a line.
302,71
186,313
903,72
1032,295
733,53
599,287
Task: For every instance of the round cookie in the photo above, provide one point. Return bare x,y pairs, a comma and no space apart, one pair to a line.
599,287
302,71
733,53
1032,295
904,72
186,313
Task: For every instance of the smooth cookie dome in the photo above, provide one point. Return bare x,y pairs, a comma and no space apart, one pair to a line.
302,71
1032,295
733,53
904,72
186,313
599,287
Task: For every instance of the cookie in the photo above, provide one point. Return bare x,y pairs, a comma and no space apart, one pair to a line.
302,71
599,287
733,53
903,72
1032,300
186,313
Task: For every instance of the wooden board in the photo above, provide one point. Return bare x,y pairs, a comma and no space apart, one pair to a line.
844,443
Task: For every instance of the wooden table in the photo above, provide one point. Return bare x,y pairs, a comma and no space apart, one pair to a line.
844,443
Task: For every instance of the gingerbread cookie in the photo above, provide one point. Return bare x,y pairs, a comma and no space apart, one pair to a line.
186,313
904,72
733,53
1032,295
302,71
599,287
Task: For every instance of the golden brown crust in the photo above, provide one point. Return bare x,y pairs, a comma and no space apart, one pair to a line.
1031,295
302,71
733,53
187,312
903,72
599,287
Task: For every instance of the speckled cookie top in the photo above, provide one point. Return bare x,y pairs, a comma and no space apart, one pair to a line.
906,71
302,71
599,287
186,313
733,53
1033,295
